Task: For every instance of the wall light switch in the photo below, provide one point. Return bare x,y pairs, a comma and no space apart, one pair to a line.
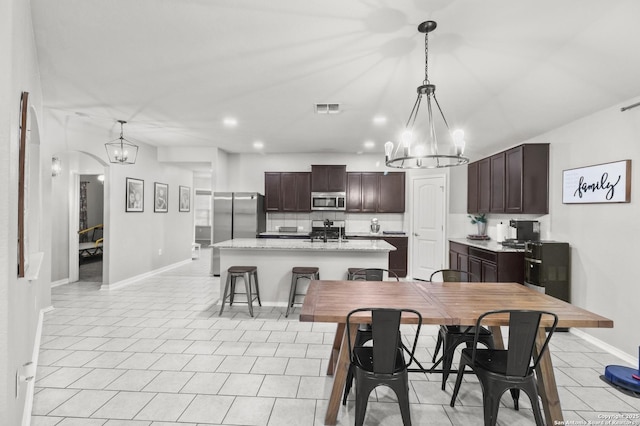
159,252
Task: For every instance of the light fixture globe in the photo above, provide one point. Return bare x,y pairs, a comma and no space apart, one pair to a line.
120,150
418,148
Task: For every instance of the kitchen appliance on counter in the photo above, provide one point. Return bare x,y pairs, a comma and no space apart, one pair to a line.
375,226
526,230
333,229
329,201
235,215
546,268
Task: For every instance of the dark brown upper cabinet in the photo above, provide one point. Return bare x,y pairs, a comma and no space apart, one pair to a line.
391,192
527,179
497,183
272,191
512,181
287,191
328,178
375,192
472,188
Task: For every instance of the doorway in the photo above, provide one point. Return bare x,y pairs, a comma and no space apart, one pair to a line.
90,222
428,225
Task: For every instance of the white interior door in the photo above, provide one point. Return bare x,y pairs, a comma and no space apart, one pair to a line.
427,238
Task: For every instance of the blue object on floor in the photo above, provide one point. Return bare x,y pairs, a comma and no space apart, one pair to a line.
623,376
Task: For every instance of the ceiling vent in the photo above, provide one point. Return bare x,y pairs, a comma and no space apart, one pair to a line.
327,108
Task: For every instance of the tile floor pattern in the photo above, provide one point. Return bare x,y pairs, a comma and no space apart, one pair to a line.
156,353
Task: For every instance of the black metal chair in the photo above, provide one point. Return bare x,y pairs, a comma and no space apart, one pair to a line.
364,330
502,369
383,363
371,274
452,336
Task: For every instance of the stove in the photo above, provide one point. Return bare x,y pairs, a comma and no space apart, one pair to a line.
334,230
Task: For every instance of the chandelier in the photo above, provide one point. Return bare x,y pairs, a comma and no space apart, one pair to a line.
418,148
120,150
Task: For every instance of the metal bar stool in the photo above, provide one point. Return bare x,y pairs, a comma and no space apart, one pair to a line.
310,273
244,272
351,272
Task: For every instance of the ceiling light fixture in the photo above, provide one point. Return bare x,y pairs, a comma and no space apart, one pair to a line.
230,122
258,145
120,150
369,144
419,148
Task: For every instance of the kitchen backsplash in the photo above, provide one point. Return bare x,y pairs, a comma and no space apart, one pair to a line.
355,222
460,226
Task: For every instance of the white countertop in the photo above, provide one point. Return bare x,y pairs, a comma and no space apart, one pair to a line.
490,245
295,244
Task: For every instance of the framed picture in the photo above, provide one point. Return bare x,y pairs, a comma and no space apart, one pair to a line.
160,197
135,195
601,183
185,199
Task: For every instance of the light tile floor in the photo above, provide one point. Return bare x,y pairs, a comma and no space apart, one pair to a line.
156,353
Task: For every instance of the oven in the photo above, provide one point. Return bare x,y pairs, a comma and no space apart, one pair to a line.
332,201
546,268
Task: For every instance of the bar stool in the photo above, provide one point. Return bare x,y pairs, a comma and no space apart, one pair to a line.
352,271
244,272
310,273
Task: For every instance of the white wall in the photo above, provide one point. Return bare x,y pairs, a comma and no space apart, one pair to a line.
20,299
135,243
603,237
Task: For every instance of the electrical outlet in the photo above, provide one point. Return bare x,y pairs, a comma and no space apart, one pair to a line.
159,252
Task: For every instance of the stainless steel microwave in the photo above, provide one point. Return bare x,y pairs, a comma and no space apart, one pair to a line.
328,201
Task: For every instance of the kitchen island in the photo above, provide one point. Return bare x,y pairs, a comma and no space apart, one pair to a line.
275,258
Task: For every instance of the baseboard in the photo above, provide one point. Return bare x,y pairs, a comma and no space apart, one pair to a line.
60,282
607,347
28,403
136,278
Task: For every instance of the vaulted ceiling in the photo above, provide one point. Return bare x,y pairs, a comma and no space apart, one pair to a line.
175,69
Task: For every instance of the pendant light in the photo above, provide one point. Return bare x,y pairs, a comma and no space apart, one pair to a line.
419,145
120,150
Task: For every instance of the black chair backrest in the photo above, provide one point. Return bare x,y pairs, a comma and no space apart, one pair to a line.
523,328
453,275
385,328
373,274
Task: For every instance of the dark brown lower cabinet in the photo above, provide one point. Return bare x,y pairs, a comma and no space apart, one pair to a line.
397,258
487,265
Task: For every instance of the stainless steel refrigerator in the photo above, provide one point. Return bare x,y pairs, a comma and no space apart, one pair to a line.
235,215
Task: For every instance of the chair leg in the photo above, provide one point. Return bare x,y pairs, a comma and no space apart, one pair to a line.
255,277
491,405
437,349
447,360
347,385
247,286
233,289
403,400
456,388
226,292
292,293
363,389
515,394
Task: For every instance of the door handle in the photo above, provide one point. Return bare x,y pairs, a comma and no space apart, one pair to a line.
415,234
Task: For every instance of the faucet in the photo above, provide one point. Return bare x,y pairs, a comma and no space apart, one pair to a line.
327,224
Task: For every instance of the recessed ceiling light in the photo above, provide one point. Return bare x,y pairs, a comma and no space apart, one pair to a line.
230,122
369,144
258,145
379,120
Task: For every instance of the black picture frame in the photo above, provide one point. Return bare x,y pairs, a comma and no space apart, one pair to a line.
160,197
184,199
134,196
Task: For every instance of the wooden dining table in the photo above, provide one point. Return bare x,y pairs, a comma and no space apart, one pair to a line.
451,303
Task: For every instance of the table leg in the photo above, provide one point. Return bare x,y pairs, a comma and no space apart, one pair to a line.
547,383
335,349
497,336
339,377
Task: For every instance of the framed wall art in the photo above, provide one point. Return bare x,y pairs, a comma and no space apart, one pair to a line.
601,183
185,199
135,195
160,197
